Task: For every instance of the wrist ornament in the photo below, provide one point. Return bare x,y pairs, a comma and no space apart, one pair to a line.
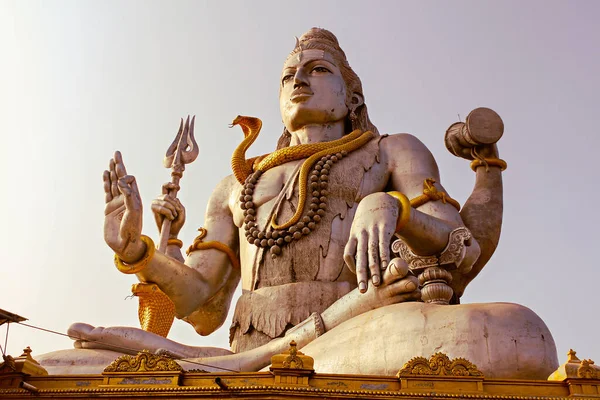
404,212
317,323
487,162
139,265
175,242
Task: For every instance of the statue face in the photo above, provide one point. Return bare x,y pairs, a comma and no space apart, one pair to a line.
312,90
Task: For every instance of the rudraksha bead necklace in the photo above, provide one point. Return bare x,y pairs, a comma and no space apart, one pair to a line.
274,240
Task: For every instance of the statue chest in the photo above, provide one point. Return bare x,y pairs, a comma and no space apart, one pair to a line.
317,255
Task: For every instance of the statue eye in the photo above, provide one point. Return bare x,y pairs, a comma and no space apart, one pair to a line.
320,69
285,79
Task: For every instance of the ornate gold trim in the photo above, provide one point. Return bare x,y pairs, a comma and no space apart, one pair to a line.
439,364
144,361
587,371
293,359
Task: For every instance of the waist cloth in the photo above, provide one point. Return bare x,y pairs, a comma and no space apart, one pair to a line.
266,313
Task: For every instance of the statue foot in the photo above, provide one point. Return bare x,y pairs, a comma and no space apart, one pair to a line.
126,340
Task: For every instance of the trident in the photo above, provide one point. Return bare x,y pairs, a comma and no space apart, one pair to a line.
183,150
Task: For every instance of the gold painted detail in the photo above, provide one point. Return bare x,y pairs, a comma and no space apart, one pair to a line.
439,364
139,265
198,244
487,162
24,364
575,368
588,370
144,361
293,359
242,167
430,193
404,212
156,311
358,140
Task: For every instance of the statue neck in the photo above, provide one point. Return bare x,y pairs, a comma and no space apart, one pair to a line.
317,133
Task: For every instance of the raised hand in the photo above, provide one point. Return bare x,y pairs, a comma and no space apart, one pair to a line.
170,208
367,252
123,212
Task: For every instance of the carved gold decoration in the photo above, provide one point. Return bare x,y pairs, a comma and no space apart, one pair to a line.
293,359
439,364
156,311
587,370
575,368
144,361
24,364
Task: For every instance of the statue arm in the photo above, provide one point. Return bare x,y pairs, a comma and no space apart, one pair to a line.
430,224
206,273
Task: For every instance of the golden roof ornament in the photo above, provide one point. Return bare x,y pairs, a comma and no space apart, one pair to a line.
24,364
439,364
575,368
293,359
144,361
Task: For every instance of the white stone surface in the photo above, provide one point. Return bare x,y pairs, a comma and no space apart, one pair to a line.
504,340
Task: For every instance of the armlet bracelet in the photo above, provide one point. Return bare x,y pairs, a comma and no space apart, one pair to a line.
494,162
430,193
200,245
404,214
137,266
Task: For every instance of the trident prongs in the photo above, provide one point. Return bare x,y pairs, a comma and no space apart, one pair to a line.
183,150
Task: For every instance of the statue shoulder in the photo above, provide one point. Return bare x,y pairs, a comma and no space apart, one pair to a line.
225,193
402,142
402,149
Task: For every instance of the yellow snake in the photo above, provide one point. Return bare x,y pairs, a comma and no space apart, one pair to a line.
242,167
251,128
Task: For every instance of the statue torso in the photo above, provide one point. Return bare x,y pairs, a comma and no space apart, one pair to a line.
319,255
310,274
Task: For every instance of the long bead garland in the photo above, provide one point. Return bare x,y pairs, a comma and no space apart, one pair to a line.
276,239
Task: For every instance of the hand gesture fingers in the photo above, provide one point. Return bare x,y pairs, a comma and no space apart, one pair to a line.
107,192
123,213
384,247
114,190
397,269
128,188
362,261
170,187
120,169
168,207
374,263
349,252
399,281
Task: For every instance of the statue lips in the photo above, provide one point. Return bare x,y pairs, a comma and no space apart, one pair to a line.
301,94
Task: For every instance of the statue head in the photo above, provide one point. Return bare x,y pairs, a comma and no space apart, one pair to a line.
325,45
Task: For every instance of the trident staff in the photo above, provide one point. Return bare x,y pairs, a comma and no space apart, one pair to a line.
182,151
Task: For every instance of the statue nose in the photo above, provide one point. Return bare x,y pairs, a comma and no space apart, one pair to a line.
300,79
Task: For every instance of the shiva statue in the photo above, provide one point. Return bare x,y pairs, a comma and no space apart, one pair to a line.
343,240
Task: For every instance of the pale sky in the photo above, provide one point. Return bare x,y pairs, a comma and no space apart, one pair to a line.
80,79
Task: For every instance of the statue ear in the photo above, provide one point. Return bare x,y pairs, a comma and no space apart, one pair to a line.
357,100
